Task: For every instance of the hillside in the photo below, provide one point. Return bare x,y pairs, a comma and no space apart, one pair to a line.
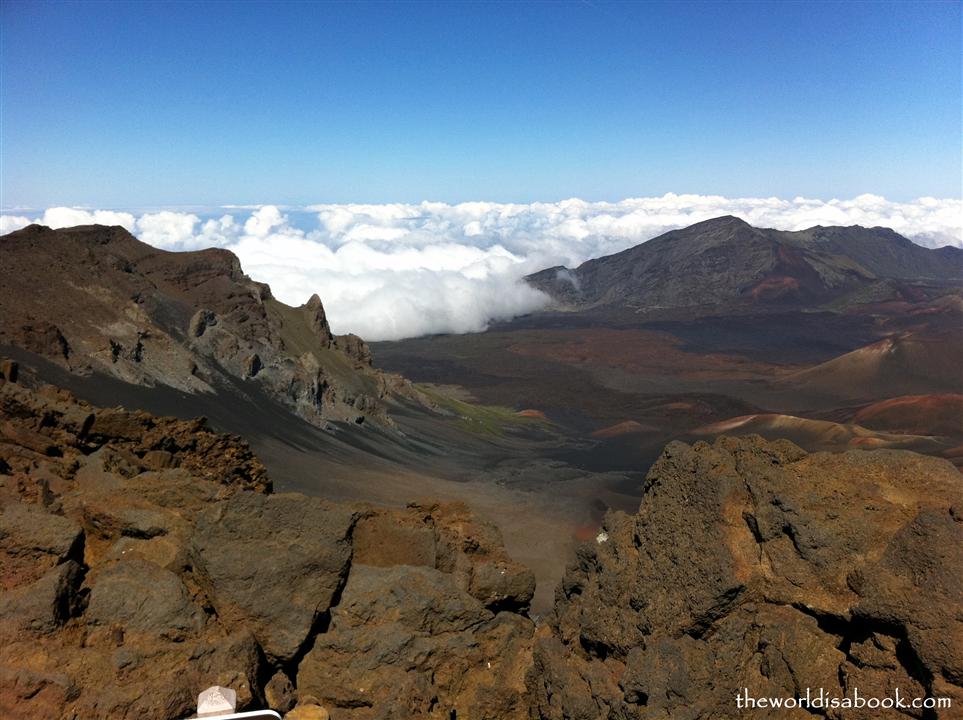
727,261
95,299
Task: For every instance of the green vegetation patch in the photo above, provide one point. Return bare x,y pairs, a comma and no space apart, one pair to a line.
481,419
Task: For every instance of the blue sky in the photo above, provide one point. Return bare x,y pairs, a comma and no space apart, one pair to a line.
113,104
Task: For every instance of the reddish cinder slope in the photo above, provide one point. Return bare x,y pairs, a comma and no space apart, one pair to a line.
939,414
902,364
816,435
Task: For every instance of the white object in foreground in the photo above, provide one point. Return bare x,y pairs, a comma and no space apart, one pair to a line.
219,703
216,700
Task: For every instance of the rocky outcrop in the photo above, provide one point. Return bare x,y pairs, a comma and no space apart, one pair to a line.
59,430
317,321
192,321
751,564
145,558
448,537
356,349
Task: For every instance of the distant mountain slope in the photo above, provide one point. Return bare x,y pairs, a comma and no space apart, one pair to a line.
96,299
726,260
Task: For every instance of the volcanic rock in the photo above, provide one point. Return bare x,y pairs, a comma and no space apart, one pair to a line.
753,565
44,605
406,642
100,615
32,537
308,711
446,536
356,349
190,321
317,320
273,563
750,565
138,596
279,693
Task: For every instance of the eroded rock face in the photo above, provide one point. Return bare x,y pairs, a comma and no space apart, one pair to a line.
446,536
188,320
751,564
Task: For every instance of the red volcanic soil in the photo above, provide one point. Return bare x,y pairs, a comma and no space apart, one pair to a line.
938,414
640,352
530,413
774,287
819,434
629,427
583,533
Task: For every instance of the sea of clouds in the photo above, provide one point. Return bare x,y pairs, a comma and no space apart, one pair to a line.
393,271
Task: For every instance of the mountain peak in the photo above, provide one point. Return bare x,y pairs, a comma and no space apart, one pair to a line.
721,221
725,260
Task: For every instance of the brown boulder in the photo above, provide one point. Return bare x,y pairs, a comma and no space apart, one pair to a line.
279,692
385,538
309,711
751,564
33,540
407,642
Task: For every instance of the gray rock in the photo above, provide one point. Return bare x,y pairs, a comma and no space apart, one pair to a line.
200,321
751,564
273,563
140,596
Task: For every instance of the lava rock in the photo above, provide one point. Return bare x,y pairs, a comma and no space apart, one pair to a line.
273,563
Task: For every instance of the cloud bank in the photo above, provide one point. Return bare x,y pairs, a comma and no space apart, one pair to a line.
393,271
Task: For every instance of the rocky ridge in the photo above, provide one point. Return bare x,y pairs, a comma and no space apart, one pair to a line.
192,321
146,558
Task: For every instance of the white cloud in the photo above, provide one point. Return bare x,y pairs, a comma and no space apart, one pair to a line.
9,223
166,229
263,220
396,270
59,217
